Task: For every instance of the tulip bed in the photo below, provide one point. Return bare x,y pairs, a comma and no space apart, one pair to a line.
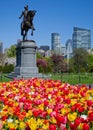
39,104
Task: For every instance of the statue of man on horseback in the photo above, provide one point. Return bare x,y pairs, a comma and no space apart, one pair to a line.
27,22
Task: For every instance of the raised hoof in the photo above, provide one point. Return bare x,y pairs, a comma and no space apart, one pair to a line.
34,29
31,34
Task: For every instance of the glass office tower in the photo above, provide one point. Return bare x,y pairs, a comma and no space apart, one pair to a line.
81,38
55,42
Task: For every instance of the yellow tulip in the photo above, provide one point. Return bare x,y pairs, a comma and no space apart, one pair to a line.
40,122
72,116
11,125
49,111
22,125
73,101
53,120
32,123
41,106
45,126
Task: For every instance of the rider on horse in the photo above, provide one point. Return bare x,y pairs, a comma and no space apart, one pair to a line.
24,15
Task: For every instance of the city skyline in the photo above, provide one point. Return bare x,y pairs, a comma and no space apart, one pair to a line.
59,16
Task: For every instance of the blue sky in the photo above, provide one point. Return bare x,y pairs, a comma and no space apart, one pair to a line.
52,16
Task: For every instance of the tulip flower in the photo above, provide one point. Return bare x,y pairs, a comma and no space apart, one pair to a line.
40,104
72,116
52,127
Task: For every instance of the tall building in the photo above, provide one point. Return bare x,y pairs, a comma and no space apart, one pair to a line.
1,47
55,42
81,38
45,48
69,48
69,51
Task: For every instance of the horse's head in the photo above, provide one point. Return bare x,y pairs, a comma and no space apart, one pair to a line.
32,13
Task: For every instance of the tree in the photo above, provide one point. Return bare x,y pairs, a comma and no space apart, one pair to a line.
42,64
80,59
59,64
2,59
11,52
90,63
39,56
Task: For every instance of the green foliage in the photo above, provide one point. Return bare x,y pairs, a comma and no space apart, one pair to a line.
74,78
3,78
80,60
1,68
7,68
90,63
49,64
41,69
44,64
2,59
39,56
11,52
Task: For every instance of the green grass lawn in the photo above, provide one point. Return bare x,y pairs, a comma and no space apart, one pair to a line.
85,78
3,78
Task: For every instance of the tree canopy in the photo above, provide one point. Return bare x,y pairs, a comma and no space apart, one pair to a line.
11,52
80,59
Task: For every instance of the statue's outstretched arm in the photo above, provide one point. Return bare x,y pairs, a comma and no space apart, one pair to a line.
21,15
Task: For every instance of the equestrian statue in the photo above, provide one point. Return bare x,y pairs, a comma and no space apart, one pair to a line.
27,22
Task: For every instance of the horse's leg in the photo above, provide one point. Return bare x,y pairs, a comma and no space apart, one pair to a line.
22,32
25,35
22,29
32,33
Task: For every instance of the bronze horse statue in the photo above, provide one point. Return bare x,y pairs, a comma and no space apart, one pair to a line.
28,24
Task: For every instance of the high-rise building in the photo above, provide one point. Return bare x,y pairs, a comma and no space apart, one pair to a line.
69,51
81,38
69,48
55,42
1,47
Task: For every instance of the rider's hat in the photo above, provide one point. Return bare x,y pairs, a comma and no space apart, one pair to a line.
26,7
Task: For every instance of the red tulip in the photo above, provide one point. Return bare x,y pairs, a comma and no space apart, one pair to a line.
82,93
62,119
68,101
43,114
4,118
46,103
27,128
52,127
73,108
36,113
90,116
73,126
77,121
86,126
90,103
80,109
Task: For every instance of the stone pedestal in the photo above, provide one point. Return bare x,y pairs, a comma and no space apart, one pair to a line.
26,60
